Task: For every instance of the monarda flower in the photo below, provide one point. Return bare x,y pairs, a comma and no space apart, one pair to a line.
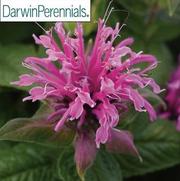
90,88
172,99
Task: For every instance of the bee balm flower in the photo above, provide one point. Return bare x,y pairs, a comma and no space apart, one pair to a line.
90,89
173,99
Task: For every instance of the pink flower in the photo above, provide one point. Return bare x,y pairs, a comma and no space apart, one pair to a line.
173,99
92,88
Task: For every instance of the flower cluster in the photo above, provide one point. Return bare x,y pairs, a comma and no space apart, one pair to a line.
90,88
173,99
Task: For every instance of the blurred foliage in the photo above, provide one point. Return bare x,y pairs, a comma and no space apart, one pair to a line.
17,32
11,57
155,26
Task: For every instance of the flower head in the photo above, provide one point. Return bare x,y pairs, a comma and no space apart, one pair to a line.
173,98
90,89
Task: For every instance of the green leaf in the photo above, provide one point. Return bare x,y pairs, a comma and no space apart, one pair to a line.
25,162
151,17
155,31
158,144
158,31
37,130
105,168
66,166
11,57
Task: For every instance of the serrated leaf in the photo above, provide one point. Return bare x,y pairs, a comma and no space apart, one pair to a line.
158,144
66,166
105,168
36,130
25,162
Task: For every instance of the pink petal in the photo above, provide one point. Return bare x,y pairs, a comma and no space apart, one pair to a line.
150,110
107,86
36,93
25,80
86,99
76,109
126,42
43,40
137,99
153,84
62,121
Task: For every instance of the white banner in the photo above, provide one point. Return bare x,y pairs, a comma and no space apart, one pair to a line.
45,10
